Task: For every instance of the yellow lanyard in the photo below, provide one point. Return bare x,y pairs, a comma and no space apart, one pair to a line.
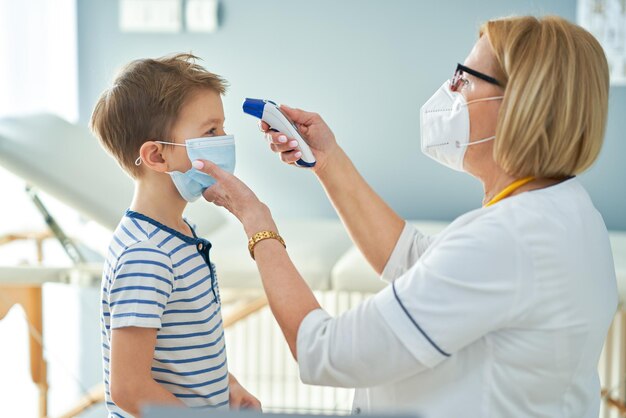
509,189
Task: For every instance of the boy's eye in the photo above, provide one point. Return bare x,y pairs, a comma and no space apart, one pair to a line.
215,131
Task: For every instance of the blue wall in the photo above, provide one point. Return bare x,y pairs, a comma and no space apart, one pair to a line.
366,66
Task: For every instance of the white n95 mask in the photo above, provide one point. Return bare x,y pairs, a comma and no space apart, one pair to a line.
445,126
218,149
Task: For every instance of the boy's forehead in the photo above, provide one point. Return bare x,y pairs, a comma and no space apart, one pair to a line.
205,106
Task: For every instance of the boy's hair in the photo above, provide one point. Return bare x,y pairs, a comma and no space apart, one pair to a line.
144,102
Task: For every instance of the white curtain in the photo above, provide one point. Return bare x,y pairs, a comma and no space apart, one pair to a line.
38,57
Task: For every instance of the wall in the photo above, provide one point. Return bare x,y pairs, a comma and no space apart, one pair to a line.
367,67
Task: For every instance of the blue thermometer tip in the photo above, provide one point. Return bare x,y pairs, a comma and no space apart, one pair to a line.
254,107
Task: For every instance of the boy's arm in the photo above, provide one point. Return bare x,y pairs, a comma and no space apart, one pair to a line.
131,384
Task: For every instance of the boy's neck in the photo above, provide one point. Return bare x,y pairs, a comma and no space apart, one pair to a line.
159,200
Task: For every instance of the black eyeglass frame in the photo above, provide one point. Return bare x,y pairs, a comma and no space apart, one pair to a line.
460,68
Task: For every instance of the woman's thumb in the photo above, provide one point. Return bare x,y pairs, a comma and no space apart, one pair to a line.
298,116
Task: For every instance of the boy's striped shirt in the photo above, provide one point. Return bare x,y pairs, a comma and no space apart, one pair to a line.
156,277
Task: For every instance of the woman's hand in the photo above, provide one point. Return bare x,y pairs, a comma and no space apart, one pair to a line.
312,128
372,224
233,194
240,398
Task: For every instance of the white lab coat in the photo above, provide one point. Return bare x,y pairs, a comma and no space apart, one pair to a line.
502,314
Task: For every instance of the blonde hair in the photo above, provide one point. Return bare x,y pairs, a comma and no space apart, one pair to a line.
144,102
556,81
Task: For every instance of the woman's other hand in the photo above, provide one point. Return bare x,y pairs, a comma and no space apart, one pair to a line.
234,195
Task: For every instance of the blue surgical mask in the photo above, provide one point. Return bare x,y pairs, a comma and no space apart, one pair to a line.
218,149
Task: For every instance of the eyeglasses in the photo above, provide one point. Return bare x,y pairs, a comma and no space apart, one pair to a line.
458,82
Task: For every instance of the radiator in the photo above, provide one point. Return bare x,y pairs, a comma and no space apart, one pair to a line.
612,366
259,357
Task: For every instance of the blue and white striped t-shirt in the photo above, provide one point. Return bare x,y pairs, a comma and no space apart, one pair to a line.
156,277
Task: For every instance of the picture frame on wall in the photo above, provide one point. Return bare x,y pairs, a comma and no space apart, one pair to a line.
606,20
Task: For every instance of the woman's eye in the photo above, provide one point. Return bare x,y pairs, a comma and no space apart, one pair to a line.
211,132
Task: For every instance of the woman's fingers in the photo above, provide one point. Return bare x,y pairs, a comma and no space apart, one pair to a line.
277,137
281,140
290,157
289,146
214,194
210,168
288,152
263,126
279,143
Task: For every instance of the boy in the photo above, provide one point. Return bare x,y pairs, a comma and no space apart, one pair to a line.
162,334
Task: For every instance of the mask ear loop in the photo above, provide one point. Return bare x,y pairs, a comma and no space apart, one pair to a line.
484,99
459,145
138,160
170,143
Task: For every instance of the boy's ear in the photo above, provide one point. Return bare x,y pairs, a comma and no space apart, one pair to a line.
151,154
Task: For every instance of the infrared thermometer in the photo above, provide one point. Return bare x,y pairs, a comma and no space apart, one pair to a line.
270,113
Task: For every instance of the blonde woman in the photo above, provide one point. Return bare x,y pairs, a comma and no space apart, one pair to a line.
504,313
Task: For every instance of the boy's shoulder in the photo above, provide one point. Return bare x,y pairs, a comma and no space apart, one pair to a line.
134,237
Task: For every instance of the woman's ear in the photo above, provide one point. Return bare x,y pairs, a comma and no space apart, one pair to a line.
151,154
